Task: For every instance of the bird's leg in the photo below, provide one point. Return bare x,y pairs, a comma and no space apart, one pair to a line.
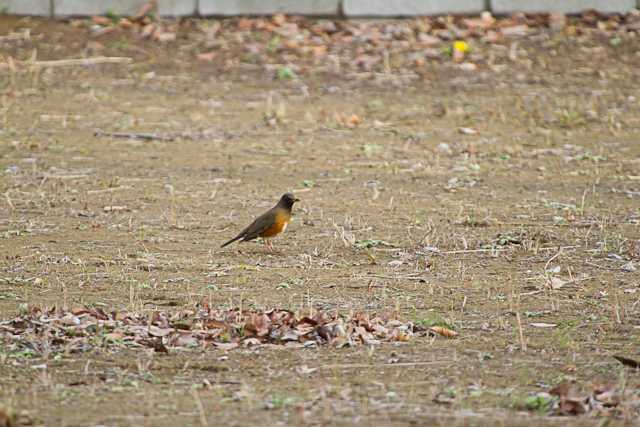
269,245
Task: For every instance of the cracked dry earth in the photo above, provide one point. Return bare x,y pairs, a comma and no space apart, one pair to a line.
503,207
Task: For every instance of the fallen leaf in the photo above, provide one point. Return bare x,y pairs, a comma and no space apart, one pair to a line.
114,336
183,340
77,311
573,406
226,346
560,390
305,370
632,363
467,131
144,10
101,20
515,31
115,208
445,332
156,344
207,56
159,332
543,325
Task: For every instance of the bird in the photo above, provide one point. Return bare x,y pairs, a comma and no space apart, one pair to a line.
269,224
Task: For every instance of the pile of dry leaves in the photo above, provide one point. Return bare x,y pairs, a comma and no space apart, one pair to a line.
358,46
83,328
606,400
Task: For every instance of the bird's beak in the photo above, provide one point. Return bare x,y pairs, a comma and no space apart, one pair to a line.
296,200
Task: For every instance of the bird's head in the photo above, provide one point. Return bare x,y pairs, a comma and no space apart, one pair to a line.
287,200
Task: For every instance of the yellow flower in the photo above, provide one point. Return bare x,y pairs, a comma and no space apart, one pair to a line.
461,46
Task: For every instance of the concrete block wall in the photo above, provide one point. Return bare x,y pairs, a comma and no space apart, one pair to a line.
363,8
27,7
346,8
564,6
266,7
121,7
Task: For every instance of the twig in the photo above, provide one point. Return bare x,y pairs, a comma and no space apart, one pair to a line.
66,176
370,365
109,190
127,135
552,258
524,294
470,251
24,35
542,224
9,202
523,343
383,276
69,62
593,264
335,285
203,418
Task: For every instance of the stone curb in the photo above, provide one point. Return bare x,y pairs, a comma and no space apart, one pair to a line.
268,7
384,8
329,8
563,6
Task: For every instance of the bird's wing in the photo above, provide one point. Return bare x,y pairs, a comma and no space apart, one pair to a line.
259,226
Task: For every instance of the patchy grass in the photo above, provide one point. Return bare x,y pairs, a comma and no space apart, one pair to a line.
500,203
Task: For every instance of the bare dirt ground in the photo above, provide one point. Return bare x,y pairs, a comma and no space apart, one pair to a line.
500,201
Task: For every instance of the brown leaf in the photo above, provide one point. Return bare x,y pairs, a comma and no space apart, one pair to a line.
156,331
148,30
258,324
207,56
515,30
165,36
561,389
573,406
325,333
7,417
289,335
251,342
245,24
101,20
215,324
156,344
182,339
77,311
339,342
160,319
226,346
99,313
445,332
606,394
306,321
632,363
144,10
279,19
321,318
125,23
120,315
114,336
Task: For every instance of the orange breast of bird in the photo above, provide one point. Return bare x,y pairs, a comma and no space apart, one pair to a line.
279,225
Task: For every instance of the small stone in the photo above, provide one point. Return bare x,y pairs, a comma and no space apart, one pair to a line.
445,148
629,267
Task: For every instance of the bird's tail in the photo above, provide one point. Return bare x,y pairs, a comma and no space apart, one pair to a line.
232,240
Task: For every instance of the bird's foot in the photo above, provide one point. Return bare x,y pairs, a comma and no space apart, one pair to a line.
269,246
